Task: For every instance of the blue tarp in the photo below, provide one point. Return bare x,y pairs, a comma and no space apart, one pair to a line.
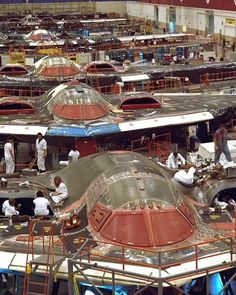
9,271
83,131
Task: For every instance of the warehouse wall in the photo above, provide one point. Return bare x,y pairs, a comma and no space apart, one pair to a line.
221,5
140,10
160,15
221,23
110,7
206,20
61,6
194,20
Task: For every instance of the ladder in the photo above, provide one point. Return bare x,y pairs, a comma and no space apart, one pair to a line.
40,271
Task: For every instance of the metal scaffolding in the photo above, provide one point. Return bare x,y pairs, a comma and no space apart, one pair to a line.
83,263
79,267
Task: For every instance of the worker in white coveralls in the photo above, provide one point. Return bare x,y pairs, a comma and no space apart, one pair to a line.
9,208
174,160
61,192
9,155
41,152
41,204
73,155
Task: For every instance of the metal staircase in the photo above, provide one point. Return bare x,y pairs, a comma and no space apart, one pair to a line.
43,284
41,269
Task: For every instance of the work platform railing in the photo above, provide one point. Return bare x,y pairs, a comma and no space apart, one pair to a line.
94,82
167,84
216,77
21,92
145,281
159,146
180,84
123,270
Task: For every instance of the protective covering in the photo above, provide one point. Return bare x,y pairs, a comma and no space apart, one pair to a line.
193,72
57,67
38,35
31,20
77,101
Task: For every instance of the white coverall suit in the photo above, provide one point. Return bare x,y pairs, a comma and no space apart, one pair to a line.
41,147
9,157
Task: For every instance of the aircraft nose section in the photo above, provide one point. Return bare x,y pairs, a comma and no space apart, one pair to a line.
142,227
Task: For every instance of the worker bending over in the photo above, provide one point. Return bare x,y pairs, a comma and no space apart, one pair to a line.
9,208
73,155
174,160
